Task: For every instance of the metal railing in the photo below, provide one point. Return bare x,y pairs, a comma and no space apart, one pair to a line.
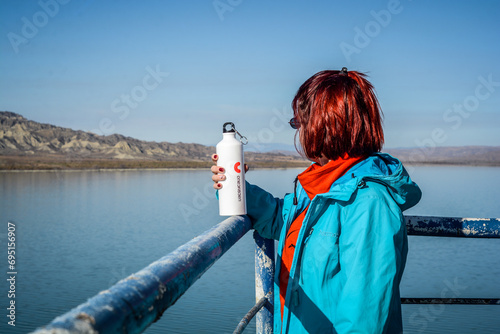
135,302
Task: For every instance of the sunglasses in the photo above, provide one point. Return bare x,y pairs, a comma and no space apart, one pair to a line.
294,123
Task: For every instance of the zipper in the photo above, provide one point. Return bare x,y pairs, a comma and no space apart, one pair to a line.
295,200
293,211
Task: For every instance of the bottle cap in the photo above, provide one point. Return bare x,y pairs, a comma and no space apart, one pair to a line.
232,129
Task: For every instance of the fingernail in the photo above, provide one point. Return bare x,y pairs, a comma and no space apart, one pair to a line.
221,169
215,156
222,177
219,185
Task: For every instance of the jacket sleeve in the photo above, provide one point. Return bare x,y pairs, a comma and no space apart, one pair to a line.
372,251
264,211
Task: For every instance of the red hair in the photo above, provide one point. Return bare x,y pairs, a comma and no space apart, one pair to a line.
338,114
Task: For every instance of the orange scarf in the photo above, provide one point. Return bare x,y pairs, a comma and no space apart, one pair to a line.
315,180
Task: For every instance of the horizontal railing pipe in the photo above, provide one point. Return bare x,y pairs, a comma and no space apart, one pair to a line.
135,302
453,227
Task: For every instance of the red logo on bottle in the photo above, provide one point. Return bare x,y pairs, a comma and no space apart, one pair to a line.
236,167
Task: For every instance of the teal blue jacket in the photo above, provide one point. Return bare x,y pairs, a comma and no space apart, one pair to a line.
350,253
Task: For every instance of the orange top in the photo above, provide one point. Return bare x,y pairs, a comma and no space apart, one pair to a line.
315,180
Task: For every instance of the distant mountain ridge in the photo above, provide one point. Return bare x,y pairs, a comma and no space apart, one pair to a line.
20,137
459,155
26,139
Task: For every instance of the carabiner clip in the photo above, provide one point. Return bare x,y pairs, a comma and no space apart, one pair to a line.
243,139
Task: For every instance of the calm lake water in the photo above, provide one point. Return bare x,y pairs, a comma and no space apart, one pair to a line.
80,232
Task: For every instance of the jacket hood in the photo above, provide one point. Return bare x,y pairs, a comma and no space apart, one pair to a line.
381,168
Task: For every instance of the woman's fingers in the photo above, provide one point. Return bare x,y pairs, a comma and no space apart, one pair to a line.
217,169
217,178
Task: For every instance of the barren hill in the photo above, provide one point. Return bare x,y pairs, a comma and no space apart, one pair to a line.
459,155
25,144
20,136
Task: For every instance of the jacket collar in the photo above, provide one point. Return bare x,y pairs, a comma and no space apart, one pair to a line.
381,168
319,179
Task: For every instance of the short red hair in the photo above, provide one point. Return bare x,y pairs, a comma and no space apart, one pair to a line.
338,113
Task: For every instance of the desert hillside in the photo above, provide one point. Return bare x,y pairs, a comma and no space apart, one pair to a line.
25,144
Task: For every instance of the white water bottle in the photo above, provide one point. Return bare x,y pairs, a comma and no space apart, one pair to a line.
232,196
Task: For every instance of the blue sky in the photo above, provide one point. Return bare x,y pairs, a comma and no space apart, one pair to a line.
177,70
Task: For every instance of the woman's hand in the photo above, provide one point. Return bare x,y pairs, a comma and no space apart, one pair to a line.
219,172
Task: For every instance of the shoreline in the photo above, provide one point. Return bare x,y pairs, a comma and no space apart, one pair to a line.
125,169
135,169
47,165
56,164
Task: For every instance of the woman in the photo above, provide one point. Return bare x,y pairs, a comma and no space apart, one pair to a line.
342,235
